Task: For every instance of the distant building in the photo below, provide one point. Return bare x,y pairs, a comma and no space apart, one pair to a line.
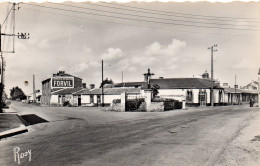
59,81
250,91
195,91
251,86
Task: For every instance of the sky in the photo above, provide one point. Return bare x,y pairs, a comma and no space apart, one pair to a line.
170,38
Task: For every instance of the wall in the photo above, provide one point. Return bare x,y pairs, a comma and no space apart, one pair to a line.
156,107
115,107
77,82
177,94
46,93
109,98
85,99
54,100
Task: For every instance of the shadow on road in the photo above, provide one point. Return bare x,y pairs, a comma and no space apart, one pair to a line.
32,119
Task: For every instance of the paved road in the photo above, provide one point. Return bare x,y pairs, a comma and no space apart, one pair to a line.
88,136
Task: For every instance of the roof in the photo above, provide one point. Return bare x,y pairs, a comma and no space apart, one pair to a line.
249,91
232,90
108,91
117,91
66,75
184,83
46,80
130,84
66,91
60,75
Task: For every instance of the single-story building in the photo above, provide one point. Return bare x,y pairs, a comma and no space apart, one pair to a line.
93,97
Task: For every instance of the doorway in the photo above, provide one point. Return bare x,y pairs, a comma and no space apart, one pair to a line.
202,97
79,101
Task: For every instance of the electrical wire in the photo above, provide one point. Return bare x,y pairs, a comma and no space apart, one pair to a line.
185,15
196,15
133,19
196,22
197,33
7,16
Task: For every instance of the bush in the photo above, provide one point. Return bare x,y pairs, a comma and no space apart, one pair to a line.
163,100
168,105
178,105
133,104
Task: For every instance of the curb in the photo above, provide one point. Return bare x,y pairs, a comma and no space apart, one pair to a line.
13,132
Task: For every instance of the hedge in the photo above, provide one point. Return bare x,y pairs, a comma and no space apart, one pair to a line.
133,104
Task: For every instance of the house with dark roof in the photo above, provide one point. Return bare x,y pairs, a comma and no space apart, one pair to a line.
195,91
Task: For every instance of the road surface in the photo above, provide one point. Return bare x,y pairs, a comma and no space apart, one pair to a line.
88,136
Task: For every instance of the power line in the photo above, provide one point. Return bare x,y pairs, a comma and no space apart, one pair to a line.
183,31
194,15
7,15
133,19
149,17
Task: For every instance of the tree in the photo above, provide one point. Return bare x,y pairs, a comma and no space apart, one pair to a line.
106,81
155,90
17,93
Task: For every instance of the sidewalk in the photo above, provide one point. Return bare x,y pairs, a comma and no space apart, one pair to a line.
10,125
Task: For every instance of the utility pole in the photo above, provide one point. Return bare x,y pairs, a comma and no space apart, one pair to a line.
1,85
20,36
122,76
102,84
259,88
212,77
34,91
236,88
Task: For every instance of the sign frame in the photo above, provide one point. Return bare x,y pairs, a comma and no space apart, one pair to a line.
65,78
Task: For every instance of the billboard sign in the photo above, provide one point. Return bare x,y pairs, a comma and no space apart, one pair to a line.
62,82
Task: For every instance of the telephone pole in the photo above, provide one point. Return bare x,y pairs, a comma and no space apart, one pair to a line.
102,84
212,76
20,36
122,76
236,89
34,91
259,88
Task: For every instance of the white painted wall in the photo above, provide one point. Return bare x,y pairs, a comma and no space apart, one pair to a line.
109,98
208,95
85,99
54,99
177,94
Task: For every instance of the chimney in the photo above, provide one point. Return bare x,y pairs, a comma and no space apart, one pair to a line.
84,85
91,86
225,84
60,73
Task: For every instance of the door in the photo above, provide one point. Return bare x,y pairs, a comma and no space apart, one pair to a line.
79,101
202,98
98,100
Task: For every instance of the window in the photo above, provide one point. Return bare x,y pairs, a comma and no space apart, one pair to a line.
91,99
189,96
